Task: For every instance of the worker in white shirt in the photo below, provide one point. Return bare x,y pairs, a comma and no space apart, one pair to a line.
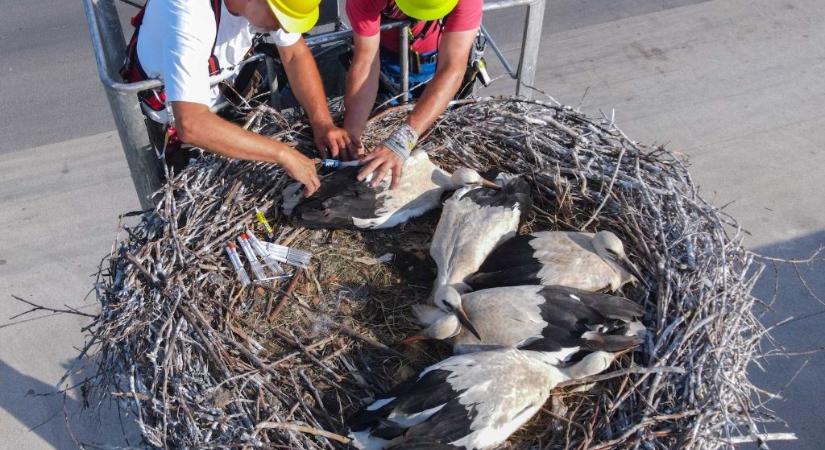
183,42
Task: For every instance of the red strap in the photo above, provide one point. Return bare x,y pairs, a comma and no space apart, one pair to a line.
214,65
137,20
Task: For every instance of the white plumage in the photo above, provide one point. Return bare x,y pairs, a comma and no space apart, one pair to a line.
564,323
473,222
592,262
473,401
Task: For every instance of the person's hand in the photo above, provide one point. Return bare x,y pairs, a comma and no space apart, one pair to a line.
301,169
356,148
334,142
380,162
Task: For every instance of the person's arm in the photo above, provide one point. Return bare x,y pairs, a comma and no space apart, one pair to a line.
186,48
362,84
303,76
453,54
197,125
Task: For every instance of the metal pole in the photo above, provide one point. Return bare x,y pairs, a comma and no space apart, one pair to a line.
342,17
107,38
498,53
495,5
404,55
530,48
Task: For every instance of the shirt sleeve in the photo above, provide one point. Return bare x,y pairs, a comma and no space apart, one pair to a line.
466,16
365,16
186,52
283,38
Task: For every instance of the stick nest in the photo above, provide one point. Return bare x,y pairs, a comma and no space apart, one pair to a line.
199,362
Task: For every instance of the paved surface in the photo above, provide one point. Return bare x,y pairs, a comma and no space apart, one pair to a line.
735,84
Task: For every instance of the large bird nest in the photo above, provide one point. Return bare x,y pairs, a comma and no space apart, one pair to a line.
200,362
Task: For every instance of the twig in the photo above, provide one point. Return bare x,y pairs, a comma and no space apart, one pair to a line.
767,437
303,429
36,307
620,373
271,316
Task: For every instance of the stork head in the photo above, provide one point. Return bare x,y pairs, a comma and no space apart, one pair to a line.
444,327
464,176
610,248
448,300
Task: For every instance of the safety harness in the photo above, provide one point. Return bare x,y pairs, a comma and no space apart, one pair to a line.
392,12
155,99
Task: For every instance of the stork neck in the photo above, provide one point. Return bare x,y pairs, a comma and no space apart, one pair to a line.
444,179
620,275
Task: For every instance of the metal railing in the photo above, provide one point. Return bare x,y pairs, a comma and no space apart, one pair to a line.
109,48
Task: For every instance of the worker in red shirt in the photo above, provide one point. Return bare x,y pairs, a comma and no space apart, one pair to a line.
445,31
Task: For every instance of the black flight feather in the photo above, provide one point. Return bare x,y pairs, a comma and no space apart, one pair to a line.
339,198
609,306
568,319
515,191
513,275
516,251
510,264
415,395
450,423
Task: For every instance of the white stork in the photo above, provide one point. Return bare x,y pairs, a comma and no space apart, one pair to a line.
343,202
472,401
593,262
566,324
473,222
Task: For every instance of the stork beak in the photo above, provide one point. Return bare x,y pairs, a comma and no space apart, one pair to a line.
489,184
412,338
635,271
465,322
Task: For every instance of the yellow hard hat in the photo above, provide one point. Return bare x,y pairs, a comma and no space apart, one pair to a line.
426,9
295,16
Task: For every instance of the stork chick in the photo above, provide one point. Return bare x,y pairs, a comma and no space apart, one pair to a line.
592,262
344,202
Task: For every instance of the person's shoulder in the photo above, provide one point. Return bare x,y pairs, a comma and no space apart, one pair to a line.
466,6
370,6
194,18
466,16
188,10
365,16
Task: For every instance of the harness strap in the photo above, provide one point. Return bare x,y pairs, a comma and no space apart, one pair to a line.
132,70
393,12
214,65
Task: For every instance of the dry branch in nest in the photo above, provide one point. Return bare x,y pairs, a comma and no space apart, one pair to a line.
201,362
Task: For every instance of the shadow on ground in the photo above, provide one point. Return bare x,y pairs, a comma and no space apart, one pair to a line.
61,421
782,285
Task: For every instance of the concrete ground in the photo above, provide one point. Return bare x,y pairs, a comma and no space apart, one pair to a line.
735,84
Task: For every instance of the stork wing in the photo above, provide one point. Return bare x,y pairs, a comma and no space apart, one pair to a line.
473,223
475,400
339,198
590,307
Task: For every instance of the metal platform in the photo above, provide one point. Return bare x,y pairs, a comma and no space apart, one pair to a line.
109,46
